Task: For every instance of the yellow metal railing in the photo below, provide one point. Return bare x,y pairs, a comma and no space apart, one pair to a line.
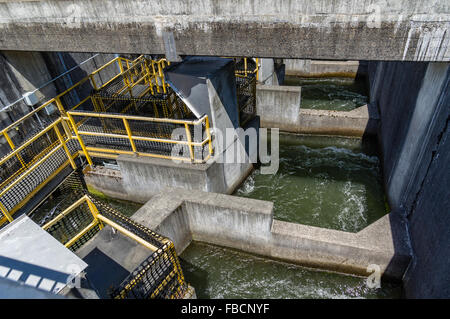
146,125
92,209
247,70
162,267
31,155
151,75
24,157
62,107
97,219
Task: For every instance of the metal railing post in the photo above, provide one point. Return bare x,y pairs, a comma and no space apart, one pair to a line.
94,212
13,147
130,137
66,149
94,84
80,140
189,140
5,212
208,133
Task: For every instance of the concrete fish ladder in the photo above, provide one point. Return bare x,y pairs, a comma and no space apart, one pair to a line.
248,225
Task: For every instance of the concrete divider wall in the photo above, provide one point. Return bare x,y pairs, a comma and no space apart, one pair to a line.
141,177
280,107
300,67
248,225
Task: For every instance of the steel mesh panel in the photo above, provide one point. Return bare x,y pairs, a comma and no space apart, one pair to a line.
69,191
103,125
246,97
26,157
38,175
158,105
119,85
29,127
159,276
71,224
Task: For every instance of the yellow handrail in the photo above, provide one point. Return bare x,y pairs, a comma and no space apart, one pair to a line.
87,151
97,219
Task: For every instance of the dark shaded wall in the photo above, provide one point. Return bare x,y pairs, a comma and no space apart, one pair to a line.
414,105
22,72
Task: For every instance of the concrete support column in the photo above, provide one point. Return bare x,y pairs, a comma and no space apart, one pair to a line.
271,71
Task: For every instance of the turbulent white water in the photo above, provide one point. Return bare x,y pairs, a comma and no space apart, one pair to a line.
321,184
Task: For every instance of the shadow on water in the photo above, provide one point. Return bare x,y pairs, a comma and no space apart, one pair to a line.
197,275
218,272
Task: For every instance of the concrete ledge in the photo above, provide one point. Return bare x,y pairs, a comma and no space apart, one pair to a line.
248,225
305,29
280,107
314,68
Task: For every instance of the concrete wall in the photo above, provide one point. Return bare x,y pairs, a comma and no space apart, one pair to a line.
311,68
271,71
413,100
38,71
330,30
280,107
248,225
140,178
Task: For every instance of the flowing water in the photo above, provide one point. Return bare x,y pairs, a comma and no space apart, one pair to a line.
217,272
328,182
332,93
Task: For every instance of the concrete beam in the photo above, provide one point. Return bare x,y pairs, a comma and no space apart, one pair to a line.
364,30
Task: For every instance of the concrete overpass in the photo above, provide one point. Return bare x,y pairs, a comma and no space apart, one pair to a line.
410,30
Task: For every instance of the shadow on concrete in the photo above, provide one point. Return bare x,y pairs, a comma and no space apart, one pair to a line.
103,273
24,270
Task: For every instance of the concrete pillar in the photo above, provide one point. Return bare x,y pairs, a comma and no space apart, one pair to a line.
271,71
413,100
30,72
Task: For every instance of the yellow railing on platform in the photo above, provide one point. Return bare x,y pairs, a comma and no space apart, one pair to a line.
160,275
57,127
138,130
23,160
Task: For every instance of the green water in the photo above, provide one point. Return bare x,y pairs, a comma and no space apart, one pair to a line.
217,272
333,93
328,182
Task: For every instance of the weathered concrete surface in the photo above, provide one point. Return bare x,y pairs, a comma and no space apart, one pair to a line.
363,30
312,68
414,99
271,71
248,225
280,107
